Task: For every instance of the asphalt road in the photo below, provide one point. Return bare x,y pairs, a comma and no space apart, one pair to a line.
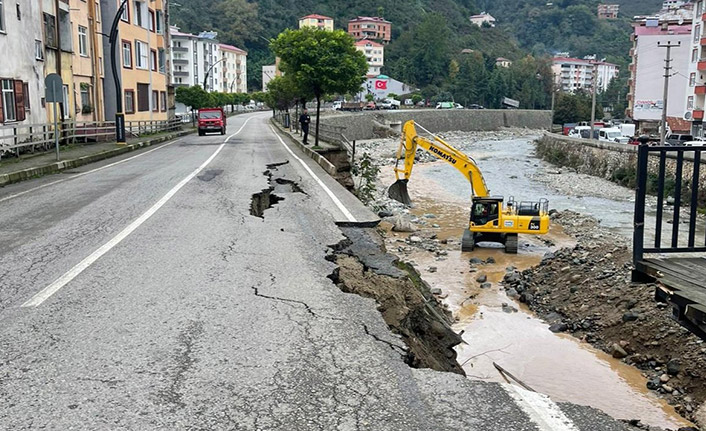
146,296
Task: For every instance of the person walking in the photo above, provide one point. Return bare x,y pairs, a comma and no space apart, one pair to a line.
304,120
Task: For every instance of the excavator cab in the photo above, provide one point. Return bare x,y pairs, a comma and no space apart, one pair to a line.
486,210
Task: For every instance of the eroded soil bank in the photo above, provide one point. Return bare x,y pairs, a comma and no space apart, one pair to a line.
404,300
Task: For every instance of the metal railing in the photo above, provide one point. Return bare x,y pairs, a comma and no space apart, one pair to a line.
683,237
17,139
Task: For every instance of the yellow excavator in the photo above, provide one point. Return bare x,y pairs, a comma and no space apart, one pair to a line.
492,219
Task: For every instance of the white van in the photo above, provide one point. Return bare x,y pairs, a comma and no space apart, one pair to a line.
612,134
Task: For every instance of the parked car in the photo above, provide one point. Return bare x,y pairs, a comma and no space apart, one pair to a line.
390,104
696,143
676,139
212,120
370,106
445,105
612,134
580,132
476,106
458,106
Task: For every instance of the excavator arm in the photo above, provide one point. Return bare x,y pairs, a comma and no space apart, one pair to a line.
442,150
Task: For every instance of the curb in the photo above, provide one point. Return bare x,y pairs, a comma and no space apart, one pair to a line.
25,174
318,158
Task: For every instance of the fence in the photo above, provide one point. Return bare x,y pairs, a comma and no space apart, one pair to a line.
683,236
17,139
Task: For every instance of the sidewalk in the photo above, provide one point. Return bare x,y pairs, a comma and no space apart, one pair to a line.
310,150
13,170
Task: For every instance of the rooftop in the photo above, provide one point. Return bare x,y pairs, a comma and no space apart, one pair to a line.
365,42
316,16
370,18
226,47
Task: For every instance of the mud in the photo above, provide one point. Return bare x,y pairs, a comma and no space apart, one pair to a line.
404,300
586,291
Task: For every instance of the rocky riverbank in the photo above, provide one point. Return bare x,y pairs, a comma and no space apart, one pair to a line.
586,291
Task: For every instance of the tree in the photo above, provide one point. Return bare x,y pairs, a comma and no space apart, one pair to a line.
194,97
282,93
320,62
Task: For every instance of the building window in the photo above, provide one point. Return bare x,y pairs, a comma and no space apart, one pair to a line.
151,20
694,55
699,8
158,24
127,54
85,97
50,30
129,101
692,79
9,108
38,50
153,60
83,41
690,102
140,15
162,60
2,16
163,100
141,55
697,33
155,101
143,97
126,13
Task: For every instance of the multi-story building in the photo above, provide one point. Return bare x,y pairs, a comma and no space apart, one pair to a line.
268,74
141,61
87,60
22,76
208,61
234,68
608,11
318,21
646,82
503,62
374,54
696,93
184,53
58,53
673,4
575,74
370,28
199,58
483,19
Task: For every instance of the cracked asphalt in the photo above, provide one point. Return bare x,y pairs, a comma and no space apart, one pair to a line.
206,317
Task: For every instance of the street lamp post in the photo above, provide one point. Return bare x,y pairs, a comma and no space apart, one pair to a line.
119,114
205,78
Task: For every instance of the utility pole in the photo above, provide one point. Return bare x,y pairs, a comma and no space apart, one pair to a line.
667,68
113,39
593,103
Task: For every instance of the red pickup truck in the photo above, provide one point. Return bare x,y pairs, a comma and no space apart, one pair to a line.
212,120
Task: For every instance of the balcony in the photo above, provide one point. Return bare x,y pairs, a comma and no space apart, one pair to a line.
181,74
180,49
701,65
180,61
699,114
700,89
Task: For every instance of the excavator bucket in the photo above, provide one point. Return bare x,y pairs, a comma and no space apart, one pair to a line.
398,191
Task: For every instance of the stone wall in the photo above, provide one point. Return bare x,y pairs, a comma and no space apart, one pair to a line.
617,162
362,125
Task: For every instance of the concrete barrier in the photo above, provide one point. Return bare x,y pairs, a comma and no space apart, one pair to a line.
361,126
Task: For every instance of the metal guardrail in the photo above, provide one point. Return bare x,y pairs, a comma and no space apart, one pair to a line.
17,139
673,244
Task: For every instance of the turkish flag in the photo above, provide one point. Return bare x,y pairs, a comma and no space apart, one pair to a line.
381,85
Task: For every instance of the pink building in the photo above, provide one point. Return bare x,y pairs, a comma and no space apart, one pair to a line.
371,28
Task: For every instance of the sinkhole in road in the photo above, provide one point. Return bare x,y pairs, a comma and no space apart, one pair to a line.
262,201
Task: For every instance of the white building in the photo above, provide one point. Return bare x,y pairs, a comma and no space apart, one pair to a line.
234,77
645,97
381,86
575,74
193,56
268,74
673,4
375,55
22,68
482,18
696,93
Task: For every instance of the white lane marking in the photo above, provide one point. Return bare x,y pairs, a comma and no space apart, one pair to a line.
540,409
328,191
7,198
50,290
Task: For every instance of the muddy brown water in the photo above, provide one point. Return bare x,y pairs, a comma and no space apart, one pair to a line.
558,365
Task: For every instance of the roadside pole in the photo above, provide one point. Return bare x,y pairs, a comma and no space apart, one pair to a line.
593,103
51,95
667,68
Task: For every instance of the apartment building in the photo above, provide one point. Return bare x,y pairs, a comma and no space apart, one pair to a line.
646,82
141,60
370,28
575,74
318,21
608,11
21,80
184,56
374,54
696,91
87,61
234,69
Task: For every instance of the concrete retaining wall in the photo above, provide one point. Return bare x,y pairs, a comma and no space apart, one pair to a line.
615,162
361,125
